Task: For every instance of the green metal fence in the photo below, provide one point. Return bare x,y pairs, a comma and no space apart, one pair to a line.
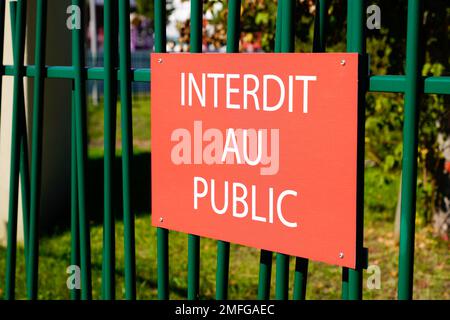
117,68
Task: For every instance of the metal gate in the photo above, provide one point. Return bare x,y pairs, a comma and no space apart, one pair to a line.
411,84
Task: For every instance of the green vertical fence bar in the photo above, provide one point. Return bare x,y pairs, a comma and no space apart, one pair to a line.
282,277
278,27
163,263
265,273
223,247
409,162
127,147
350,23
74,229
350,28
300,278
344,279
320,21
18,53
24,169
233,25
78,60
287,26
36,149
287,45
356,43
344,286
193,240
223,264
265,262
110,107
161,233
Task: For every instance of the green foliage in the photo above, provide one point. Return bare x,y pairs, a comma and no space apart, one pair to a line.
384,112
381,187
380,194
146,7
383,135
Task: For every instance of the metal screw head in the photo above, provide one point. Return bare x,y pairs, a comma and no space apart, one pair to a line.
161,219
160,60
341,255
342,62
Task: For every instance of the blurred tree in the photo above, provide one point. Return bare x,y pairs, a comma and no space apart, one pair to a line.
386,48
147,8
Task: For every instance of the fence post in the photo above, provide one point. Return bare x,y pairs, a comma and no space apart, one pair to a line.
36,149
74,225
127,148
356,42
409,161
24,169
78,62
18,106
162,234
110,106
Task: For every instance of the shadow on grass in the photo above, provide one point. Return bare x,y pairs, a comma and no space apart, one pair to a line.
140,187
140,191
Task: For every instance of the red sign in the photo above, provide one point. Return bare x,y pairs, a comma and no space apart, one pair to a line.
258,149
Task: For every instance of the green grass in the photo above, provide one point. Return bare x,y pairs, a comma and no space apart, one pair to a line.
432,268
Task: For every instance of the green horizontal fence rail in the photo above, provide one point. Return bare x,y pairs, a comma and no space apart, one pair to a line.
118,75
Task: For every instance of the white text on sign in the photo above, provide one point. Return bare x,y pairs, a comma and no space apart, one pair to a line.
240,146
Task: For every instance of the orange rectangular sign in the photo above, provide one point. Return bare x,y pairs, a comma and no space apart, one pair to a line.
258,149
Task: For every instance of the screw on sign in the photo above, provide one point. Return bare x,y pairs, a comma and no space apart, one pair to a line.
239,147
